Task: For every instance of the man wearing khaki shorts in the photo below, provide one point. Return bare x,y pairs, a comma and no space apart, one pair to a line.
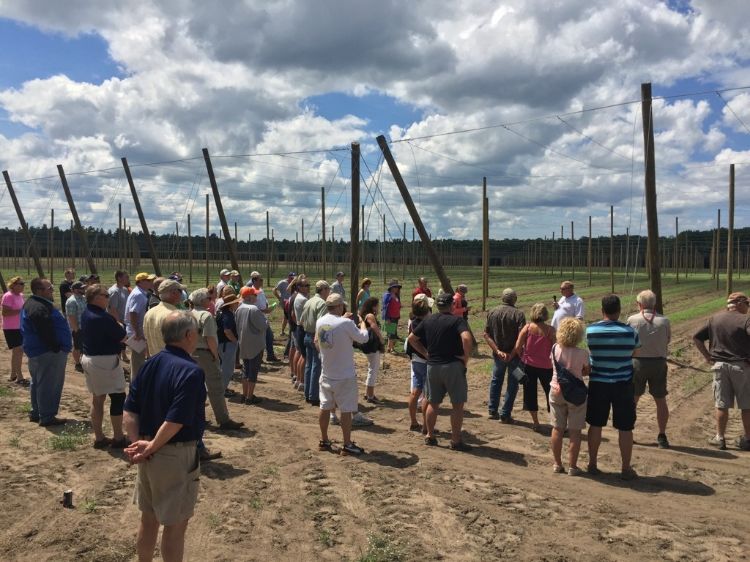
164,418
728,334
650,366
334,334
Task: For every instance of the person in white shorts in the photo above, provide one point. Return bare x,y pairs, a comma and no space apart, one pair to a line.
334,334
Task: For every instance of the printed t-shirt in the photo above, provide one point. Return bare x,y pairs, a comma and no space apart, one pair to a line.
335,335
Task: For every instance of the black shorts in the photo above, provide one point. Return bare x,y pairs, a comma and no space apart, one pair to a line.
78,340
620,396
13,338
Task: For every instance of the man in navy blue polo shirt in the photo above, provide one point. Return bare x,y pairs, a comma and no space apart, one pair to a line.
164,418
612,345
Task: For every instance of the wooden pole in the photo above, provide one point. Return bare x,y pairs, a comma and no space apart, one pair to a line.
304,258
730,231
51,250
81,233
676,258
220,212
24,226
416,219
572,251
717,256
323,230
142,218
485,244
650,189
119,237
403,255
268,248
207,241
382,252
190,251
363,238
612,248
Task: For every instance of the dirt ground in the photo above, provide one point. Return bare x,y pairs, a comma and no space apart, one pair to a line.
273,496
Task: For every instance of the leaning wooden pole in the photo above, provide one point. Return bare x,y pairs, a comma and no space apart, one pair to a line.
426,242
142,218
79,228
354,231
650,188
268,247
51,248
24,226
220,212
730,231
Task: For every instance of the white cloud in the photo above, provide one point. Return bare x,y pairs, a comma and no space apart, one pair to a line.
233,79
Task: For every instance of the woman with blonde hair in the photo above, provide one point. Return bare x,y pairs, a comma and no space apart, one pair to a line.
12,303
565,414
533,346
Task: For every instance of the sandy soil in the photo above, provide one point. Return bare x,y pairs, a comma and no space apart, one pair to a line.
273,496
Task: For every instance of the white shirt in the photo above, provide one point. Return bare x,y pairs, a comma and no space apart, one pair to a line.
335,335
569,306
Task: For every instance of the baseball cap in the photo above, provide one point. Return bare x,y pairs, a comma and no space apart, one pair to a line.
234,272
224,272
291,274
334,299
143,276
247,292
78,285
736,298
169,285
321,285
421,297
444,299
255,275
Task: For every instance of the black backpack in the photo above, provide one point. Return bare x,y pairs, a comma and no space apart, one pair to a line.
573,389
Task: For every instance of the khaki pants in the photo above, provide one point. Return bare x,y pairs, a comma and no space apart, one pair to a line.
214,384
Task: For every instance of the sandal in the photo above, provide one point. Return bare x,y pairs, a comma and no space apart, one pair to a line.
415,427
325,445
102,443
558,469
431,441
23,382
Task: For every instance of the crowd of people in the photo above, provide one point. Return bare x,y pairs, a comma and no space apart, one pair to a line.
180,349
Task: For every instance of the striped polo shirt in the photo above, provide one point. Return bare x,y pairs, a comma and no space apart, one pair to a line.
611,344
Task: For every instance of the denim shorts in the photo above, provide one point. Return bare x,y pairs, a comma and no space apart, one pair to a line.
251,367
418,375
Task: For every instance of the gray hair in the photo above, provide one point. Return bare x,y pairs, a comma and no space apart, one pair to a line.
200,297
177,325
646,298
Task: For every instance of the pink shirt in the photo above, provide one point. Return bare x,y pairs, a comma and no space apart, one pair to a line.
572,358
536,350
16,303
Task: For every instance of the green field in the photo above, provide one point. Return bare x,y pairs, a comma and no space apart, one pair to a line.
693,297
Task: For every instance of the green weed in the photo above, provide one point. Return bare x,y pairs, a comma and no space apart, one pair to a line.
5,391
380,548
326,538
24,408
89,506
695,381
69,439
214,520
256,503
15,441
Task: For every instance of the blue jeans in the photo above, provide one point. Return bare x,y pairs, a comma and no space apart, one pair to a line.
227,352
269,344
312,369
496,386
47,378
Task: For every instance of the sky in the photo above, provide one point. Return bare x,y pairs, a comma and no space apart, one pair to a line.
541,97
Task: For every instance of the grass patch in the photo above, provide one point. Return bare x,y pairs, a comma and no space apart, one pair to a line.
214,520
89,506
695,381
5,391
24,408
271,470
15,442
380,548
326,538
255,503
69,439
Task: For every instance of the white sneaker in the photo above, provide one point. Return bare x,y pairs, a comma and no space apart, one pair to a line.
335,419
360,420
